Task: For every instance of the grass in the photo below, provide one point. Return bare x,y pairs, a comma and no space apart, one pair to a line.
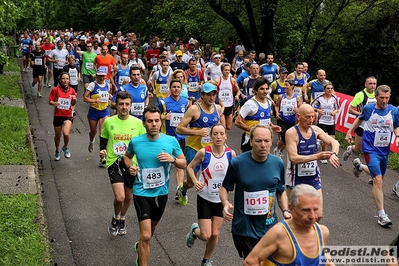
12,65
21,241
9,87
14,145
393,159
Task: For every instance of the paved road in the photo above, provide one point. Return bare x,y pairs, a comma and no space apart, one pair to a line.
78,198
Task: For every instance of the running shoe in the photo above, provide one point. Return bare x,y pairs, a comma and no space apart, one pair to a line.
57,155
67,152
102,163
122,227
356,164
91,146
33,84
183,198
395,189
324,161
39,95
206,263
347,152
177,193
370,180
113,227
191,237
318,143
49,85
24,70
384,221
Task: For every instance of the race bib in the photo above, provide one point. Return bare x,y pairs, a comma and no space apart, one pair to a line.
256,203
38,61
175,119
265,122
48,52
119,148
104,96
163,88
153,61
269,77
89,66
153,177
206,139
121,79
287,110
298,90
65,103
214,186
382,139
193,86
137,108
307,169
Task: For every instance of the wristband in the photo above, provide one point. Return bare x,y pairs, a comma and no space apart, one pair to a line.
286,211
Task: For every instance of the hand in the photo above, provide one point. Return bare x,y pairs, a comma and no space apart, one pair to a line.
203,132
287,215
348,137
276,129
165,157
226,212
103,153
168,115
199,186
133,170
334,161
397,141
320,111
324,155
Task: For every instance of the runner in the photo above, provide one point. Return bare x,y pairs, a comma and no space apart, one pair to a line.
37,60
214,160
62,97
155,154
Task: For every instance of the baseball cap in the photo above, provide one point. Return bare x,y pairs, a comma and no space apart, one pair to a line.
283,70
208,87
179,53
83,38
196,52
248,64
114,48
101,71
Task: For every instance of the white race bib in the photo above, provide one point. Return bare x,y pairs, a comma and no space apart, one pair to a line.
65,103
307,169
104,96
137,108
153,177
269,77
175,119
193,86
121,79
163,88
317,94
89,66
119,148
265,122
256,203
38,61
298,90
214,186
153,61
382,139
206,139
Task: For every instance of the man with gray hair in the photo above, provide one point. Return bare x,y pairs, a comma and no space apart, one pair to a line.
297,241
379,120
256,194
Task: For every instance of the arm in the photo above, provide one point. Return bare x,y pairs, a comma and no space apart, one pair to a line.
353,111
282,200
355,125
240,123
128,159
199,157
227,206
189,116
179,161
277,107
306,87
330,141
291,139
267,246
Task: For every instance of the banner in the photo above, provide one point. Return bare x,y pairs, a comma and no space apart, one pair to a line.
344,120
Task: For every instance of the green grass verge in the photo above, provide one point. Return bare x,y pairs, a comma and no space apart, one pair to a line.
12,65
21,241
393,159
14,144
9,87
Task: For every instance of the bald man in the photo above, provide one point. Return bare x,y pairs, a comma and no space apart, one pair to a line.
303,155
315,86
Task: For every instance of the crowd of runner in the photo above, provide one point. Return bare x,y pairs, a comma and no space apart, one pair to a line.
198,93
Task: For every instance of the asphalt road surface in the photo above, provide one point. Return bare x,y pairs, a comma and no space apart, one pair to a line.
78,198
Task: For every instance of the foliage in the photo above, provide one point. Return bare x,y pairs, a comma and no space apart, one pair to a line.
21,241
12,67
9,87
